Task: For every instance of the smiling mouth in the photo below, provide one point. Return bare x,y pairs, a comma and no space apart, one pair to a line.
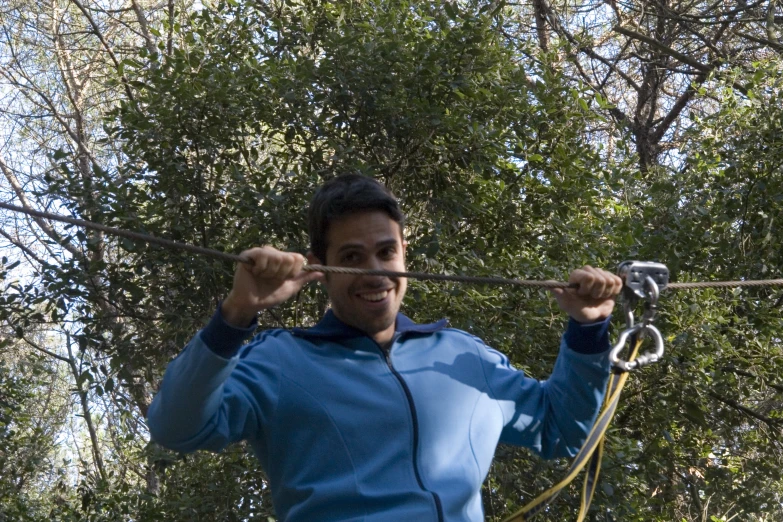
374,297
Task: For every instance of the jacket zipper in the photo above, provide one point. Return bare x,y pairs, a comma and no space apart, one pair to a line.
409,397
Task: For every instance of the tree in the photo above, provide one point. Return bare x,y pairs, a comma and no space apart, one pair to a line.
513,154
647,61
61,70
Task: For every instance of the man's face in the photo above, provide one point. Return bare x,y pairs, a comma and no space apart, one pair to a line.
369,240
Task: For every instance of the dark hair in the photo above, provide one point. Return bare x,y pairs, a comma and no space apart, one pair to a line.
344,195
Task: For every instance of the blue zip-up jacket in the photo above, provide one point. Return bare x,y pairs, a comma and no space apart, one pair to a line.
347,432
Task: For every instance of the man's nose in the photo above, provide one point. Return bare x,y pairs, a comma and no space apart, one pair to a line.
375,263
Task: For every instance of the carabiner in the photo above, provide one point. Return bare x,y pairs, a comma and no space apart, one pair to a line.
643,280
645,358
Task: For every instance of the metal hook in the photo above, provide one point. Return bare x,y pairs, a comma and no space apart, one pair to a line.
642,360
643,280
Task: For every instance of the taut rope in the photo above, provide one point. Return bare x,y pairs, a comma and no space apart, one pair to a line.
217,254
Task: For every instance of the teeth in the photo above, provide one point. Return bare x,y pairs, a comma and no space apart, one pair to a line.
375,297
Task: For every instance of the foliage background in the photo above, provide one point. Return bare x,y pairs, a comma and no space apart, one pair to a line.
523,139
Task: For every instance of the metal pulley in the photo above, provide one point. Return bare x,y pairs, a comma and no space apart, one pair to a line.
643,280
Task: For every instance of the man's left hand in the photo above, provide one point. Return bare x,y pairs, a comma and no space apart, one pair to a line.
593,301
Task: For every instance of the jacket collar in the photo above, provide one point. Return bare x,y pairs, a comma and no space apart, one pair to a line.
333,328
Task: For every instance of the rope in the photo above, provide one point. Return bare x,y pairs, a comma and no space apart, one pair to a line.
724,284
217,254
440,277
590,455
138,236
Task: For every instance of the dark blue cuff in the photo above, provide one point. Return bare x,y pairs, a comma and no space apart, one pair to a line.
224,339
587,338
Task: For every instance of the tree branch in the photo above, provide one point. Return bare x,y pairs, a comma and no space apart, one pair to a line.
663,48
763,41
744,373
96,450
9,175
106,46
675,111
770,25
540,9
772,423
144,29
22,247
44,350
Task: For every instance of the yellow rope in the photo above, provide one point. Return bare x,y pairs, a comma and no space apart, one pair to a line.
592,452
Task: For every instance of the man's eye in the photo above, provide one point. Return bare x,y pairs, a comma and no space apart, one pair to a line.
350,258
388,253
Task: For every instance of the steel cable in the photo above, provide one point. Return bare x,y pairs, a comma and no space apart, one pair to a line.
217,254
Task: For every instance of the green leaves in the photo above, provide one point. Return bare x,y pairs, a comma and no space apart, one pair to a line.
491,149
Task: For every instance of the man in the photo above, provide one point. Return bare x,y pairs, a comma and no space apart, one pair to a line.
367,415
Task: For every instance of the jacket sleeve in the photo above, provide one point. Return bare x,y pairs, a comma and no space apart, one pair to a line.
209,398
553,417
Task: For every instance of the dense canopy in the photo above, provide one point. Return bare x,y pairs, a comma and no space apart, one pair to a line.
524,139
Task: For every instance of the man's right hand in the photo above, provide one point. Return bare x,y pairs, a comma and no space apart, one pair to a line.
273,278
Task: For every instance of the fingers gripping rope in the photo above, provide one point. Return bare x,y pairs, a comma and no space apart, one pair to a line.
174,245
642,280
440,277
